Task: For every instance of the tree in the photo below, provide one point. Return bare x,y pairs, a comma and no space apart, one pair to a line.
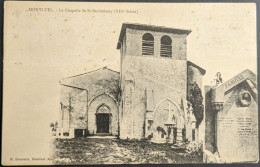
54,126
196,101
51,125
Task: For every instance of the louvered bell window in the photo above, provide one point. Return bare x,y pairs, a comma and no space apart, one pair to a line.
166,46
148,44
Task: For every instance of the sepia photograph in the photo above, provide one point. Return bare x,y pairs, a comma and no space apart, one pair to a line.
92,83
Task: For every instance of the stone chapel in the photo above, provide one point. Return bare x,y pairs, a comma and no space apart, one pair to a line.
147,99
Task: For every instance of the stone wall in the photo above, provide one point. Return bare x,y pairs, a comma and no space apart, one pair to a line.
209,122
96,82
73,100
165,77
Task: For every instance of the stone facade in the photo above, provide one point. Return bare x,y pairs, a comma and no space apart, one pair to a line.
147,99
232,119
83,96
159,80
153,87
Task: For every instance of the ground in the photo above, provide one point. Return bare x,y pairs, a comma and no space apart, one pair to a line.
115,151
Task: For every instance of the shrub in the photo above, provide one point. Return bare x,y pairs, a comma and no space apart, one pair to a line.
196,99
194,149
150,136
159,128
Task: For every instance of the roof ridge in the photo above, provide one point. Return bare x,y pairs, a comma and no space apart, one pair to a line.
72,86
105,67
203,71
152,25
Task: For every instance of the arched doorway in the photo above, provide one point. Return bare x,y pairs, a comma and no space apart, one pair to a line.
103,119
166,118
102,104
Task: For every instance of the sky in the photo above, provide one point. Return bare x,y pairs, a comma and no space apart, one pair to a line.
41,47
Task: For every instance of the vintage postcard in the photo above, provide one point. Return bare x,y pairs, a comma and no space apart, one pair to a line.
129,83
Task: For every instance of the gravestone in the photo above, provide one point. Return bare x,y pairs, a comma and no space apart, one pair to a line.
234,114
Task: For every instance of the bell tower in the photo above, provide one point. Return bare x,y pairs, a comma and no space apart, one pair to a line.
153,67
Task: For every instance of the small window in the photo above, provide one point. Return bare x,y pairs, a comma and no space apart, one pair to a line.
147,44
166,46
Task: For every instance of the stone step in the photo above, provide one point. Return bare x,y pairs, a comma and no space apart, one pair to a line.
102,137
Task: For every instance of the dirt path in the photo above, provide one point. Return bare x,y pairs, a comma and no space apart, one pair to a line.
114,151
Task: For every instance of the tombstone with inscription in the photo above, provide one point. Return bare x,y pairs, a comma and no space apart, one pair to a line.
232,120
